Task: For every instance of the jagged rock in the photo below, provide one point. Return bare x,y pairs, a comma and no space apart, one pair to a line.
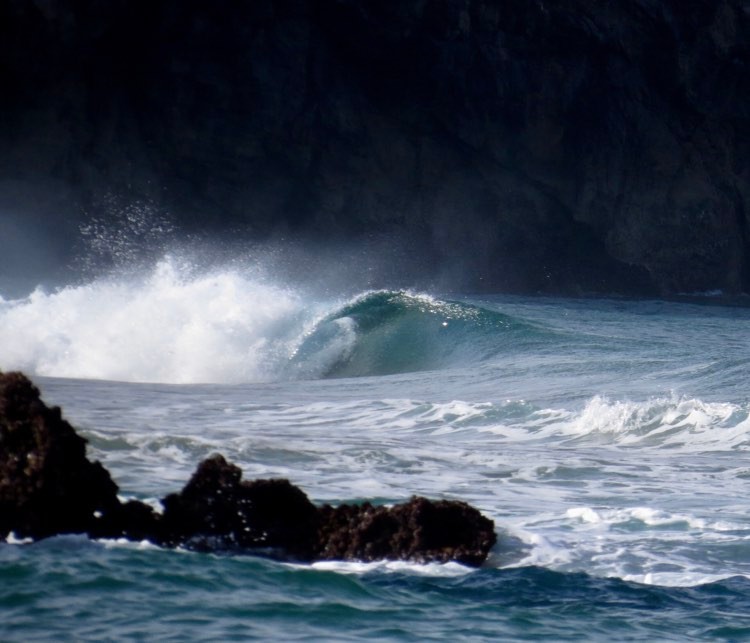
420,530
49,487
132,520
218,510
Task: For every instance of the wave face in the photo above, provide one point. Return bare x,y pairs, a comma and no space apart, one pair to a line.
386,332
174,324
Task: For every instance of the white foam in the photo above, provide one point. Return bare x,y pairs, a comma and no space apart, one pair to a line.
679,579
667,422
542,551
124,543
393,566
168,325
12,539
648,517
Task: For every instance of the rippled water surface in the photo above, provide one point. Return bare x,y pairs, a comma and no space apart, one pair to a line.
607,440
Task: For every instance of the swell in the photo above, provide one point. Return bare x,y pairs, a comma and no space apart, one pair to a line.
176,324
386,332
219,597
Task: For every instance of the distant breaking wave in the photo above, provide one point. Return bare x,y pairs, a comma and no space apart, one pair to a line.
175,324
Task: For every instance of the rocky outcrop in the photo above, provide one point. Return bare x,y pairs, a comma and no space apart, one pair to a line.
514,145
49,487
47,484
218,510
421,530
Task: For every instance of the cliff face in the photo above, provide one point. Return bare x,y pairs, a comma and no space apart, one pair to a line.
525,146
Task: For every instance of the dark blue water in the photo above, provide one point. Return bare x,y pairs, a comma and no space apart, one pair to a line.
69,589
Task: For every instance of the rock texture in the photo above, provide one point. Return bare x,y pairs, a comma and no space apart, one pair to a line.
515,144
49,487
218,510
420,530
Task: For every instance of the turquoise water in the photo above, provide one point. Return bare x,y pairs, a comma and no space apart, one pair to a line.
607,439
69,589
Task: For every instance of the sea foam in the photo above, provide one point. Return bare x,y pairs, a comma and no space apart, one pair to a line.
167,325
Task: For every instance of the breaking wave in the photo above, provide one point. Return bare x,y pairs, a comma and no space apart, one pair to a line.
174,324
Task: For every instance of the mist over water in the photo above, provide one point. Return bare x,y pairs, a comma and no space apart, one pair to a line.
144,301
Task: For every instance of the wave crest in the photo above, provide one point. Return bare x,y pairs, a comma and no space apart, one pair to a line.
176,324
661,422
165,326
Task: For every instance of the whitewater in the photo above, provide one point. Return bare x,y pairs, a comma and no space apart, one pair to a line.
607,439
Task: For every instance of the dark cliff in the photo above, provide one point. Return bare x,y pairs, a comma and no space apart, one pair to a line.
579,146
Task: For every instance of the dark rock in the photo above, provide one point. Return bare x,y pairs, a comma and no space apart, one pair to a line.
132,520
420,530
47,485
218,510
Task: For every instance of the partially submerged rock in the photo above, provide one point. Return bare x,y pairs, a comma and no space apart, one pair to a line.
218,510
421,530
49,487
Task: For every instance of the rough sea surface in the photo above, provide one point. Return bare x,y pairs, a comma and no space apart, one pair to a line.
607,439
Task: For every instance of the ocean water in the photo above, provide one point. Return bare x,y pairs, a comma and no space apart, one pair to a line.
608,440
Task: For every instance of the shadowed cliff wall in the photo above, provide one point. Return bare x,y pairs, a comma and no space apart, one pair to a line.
568,147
